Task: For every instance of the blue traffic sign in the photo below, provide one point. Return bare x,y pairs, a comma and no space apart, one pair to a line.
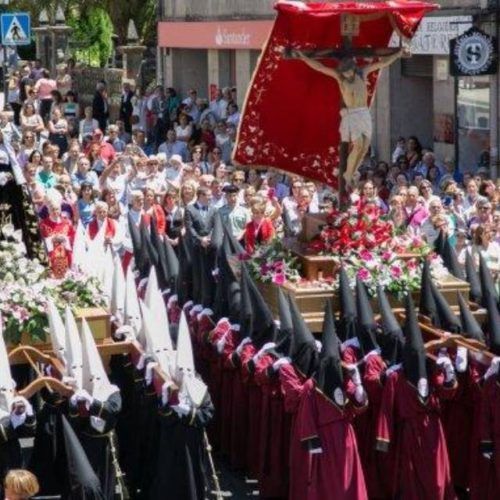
16,28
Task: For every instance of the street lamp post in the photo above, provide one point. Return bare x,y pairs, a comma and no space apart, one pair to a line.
4,4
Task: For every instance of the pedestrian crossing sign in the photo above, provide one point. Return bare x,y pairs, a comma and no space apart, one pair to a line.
16,28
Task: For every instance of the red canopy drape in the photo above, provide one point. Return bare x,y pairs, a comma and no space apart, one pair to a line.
291,115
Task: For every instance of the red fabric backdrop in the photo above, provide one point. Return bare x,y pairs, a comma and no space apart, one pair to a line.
291,116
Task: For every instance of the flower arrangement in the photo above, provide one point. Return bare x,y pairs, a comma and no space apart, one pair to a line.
26,288
273,263
354,229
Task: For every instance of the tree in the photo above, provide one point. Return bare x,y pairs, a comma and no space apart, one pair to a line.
143,12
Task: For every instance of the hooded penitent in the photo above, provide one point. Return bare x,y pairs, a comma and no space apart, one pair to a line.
439,243
132,310
470,327
446,318
263,327
367,326
74,357
348,316
427,305
83,481
329,377
119,291
487,284
493,320
185,285
157,341
305,352
473,279
95,379
391,339
56,330
157,243
172,265
414,355
450,260
191,386
141,258
284,337
7,385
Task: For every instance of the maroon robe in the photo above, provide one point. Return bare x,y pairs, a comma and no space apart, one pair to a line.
254,416
461,421
374,463
490,435
335,473
274,447
239,409
414,429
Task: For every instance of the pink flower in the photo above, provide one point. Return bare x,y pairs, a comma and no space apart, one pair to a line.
366,255
244,256
396,271
387,255
279,279
412,264
364,274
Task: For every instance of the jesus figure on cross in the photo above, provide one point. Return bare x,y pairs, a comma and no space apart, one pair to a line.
356,122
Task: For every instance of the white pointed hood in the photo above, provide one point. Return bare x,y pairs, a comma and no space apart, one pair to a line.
95,378
156,304
132,308
56,330
107,274
185,373
7,385
74,361
156,344
79,259
118,292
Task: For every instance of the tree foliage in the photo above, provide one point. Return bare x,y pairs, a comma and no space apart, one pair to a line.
143,12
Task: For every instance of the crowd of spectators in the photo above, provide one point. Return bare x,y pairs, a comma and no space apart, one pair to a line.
166,151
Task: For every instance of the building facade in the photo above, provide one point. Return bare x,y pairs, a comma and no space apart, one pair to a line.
208,44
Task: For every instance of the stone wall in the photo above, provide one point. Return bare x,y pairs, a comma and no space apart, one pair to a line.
217,9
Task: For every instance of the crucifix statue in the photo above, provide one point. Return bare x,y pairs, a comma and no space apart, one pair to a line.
352,79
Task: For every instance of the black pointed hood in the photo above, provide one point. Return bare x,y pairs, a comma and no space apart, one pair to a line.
391,339
284,338
234,244
446,318
82,479
473,279
427,305
329,377
305,353
450,260
262,326
140,255
414,355
439,243
184,284
152,254
487,283
157,243
171,264
470,327
493,321
367,326
347,321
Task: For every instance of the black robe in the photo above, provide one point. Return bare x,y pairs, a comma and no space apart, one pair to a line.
48,458
182,459
10,449
97,444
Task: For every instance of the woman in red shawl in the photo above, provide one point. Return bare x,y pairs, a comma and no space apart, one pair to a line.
260,229
58,234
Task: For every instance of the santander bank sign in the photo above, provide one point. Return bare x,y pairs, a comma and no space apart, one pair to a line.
214,34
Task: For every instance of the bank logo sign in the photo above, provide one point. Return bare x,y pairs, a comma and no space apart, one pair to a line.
473,53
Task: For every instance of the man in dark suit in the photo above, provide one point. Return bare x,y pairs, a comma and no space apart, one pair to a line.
199,219
126,107
100,106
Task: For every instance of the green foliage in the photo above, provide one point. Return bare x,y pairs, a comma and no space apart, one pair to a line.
92,36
